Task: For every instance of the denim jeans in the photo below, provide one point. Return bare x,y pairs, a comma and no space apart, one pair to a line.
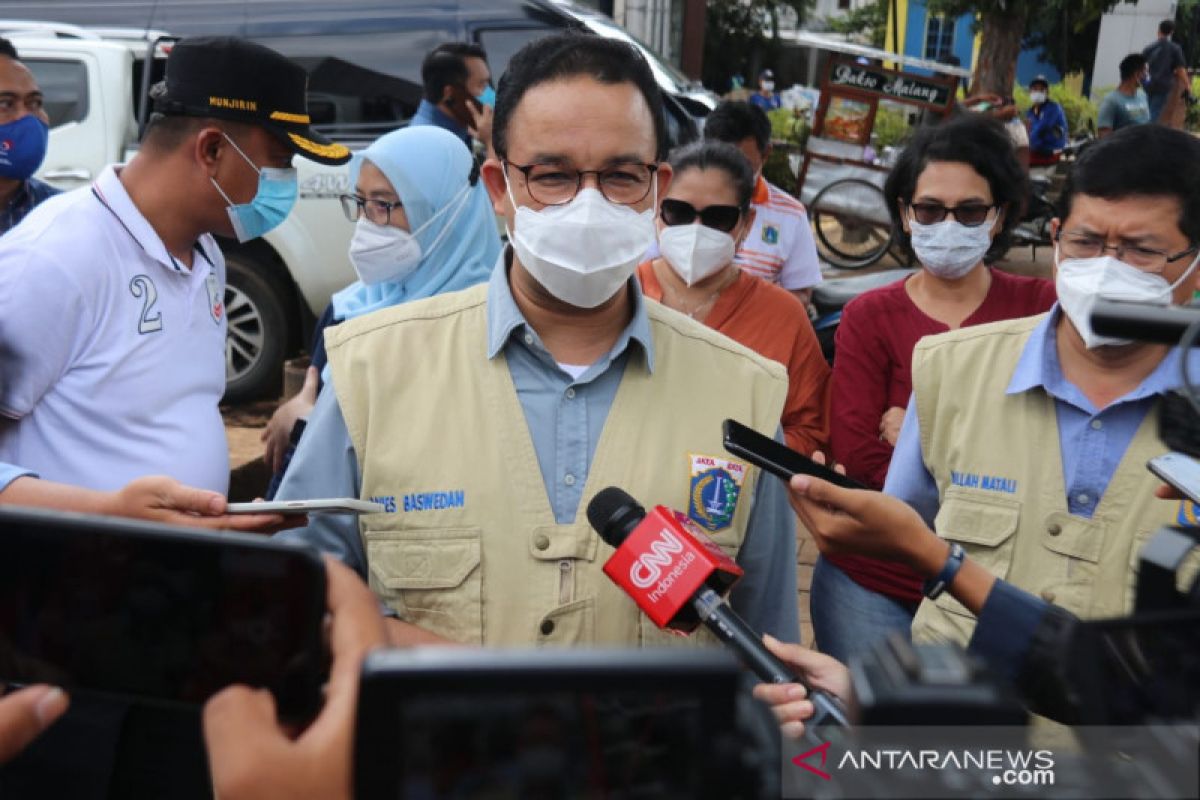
848,618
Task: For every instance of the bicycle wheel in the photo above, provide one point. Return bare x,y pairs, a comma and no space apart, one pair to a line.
851,222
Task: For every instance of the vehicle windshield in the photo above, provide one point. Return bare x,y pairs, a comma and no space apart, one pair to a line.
664,73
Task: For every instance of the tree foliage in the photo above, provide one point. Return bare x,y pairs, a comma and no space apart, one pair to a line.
742,36
1006,24
867,23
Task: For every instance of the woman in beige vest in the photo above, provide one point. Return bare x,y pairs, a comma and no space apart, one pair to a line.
954,195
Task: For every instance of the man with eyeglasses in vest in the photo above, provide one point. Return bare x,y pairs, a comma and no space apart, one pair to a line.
486,420
1026,442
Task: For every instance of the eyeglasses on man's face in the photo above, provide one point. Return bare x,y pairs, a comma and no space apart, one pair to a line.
1072,244
556,184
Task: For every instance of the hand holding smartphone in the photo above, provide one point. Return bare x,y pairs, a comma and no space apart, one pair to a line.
1178,471
781,461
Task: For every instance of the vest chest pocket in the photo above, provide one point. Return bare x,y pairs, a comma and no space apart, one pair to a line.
984,526
431,578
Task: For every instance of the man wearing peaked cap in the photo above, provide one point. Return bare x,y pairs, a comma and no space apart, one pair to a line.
112,344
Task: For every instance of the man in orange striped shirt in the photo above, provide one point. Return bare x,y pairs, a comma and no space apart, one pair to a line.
780,249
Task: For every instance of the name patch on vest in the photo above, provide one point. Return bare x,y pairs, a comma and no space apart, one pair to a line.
435,501
989,483
716,486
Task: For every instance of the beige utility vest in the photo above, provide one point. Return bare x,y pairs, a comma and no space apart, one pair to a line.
997,462
472,551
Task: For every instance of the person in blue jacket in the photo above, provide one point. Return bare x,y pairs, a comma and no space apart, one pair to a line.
1047,125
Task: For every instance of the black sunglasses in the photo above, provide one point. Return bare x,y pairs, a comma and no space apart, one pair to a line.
969,214
721,218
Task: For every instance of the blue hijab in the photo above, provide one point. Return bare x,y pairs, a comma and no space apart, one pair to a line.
428,167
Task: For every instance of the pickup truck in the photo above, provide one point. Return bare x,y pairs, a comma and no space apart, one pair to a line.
273,284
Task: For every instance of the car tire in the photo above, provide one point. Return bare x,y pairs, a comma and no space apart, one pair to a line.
257,336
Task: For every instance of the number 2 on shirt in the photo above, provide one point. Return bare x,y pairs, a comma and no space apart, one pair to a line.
142,286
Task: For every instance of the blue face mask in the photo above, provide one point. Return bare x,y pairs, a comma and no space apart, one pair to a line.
488,98
22,147
276,195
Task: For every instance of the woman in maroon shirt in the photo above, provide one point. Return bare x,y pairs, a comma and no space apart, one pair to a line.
955,195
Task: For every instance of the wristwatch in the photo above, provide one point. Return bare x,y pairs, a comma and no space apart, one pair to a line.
938,583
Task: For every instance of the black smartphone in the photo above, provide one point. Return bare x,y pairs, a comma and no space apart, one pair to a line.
159,614
1180,471
775,458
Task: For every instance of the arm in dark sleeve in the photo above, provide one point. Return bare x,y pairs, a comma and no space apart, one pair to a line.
319,357
1029,643
858,400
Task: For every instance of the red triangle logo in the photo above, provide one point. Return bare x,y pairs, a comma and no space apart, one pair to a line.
802,760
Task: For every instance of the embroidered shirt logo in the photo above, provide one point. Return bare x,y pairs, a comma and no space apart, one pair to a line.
770,234
716,485
216,302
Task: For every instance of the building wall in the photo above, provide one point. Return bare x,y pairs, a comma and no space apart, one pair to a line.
1128,28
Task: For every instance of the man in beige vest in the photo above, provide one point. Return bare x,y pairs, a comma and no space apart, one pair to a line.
486,420
1026,441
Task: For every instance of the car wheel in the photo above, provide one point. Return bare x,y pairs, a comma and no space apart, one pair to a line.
257,336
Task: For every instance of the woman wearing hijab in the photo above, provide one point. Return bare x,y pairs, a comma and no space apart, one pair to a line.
423,226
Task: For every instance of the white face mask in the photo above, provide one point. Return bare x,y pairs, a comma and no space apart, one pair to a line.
696,251
1080,282
1037,98
382,253
768,86
949,249
583,251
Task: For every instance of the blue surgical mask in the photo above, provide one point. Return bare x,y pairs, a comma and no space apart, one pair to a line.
276,195
488,98
22,147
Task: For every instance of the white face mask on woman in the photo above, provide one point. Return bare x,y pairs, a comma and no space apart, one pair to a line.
382,253
1080,282
696,251
949,249
583,251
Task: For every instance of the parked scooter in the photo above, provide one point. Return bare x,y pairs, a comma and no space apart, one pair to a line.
1034,228
830,297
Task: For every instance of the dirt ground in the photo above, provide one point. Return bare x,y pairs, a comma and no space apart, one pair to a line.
244,424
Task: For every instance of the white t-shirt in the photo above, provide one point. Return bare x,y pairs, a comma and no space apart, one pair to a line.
112,353
780,246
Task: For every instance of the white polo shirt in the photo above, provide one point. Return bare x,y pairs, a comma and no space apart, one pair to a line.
780,247
112,353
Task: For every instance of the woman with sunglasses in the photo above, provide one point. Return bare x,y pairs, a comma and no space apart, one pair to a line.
954,195
702,221
423,226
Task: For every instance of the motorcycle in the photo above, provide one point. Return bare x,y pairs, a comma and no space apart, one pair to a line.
1044,189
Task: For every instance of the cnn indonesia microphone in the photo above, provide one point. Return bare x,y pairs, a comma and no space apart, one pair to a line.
678,580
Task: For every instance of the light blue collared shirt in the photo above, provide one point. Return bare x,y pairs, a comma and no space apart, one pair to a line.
565,418
9,473
1092,441
429,114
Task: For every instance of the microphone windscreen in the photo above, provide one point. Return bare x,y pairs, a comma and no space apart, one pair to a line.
613,513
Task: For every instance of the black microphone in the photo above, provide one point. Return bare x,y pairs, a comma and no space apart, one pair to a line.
1142,322
615,515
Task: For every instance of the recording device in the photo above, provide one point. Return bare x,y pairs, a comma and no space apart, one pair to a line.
1179,471
896,682
677,576
775,458
1178,420
335,505
159,614
457,722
